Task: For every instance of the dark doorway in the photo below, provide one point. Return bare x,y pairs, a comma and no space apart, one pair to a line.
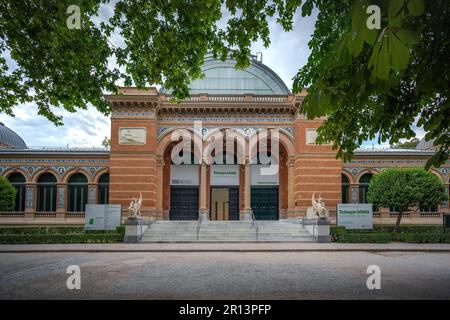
183,203
265,203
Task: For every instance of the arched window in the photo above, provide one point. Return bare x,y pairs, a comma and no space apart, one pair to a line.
77,195
46,193
345,189
18,181
103,189
364,187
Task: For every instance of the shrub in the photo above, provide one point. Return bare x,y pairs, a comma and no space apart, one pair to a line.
60,238
417,237
48,235
445,238
7,195
366,238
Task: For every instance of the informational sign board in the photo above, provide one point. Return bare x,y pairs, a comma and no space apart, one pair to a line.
102,216
224,175
355,216
265,175
184,175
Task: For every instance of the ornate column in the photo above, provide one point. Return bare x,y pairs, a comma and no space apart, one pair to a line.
92,193
30,200
61,195
159,186
247,191
354,193
203,208
291,187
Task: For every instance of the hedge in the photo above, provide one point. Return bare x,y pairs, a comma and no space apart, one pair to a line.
60,238
385,234
365,238
417,237
54,235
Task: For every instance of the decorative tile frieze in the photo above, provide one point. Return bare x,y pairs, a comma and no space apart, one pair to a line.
30,195
30,170
50,161
230,119
91,196
92,170
61,169
61,197
147,114
355,195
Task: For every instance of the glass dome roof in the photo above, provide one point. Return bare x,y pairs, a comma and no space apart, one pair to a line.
10,139
221,77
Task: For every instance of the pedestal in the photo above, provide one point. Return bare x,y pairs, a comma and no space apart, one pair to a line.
134,230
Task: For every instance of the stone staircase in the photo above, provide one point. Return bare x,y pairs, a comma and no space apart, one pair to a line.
226,231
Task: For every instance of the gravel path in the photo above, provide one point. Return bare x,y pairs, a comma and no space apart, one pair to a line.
225,275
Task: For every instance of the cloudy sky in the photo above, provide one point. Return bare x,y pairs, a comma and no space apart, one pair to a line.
287,53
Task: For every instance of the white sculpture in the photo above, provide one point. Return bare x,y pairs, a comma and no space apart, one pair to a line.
134,210
319,207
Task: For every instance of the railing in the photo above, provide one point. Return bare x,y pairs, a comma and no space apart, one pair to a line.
199,223
430,214
141,230
404,215
255,224
75,215
67,148
12,214
41,214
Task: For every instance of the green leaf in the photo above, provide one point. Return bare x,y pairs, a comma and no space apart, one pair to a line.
355,44
399,54
383,65
416,7
408,36
394,8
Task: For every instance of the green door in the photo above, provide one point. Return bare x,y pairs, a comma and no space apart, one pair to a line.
265,203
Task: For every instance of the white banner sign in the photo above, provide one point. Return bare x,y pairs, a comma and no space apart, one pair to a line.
102,216
265,175
184,175
355,216
224,175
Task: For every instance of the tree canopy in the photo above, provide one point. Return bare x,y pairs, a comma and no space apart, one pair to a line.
369,83
406,188
7,195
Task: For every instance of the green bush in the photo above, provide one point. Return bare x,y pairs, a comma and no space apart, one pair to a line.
42,230
365,238
7,195
417,237
386,234
445,238
60,238
69,234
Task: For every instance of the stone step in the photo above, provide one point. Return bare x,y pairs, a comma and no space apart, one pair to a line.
226,231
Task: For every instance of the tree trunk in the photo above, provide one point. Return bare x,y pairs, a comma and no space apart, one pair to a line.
399,218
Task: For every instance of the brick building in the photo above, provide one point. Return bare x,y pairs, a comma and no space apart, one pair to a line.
231,121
